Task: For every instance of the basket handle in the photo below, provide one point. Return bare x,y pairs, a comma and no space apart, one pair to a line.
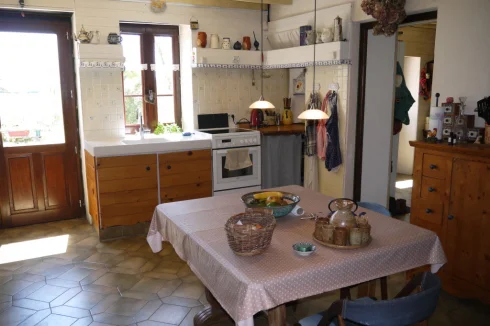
347,199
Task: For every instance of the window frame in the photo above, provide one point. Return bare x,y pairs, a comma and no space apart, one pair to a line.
148,32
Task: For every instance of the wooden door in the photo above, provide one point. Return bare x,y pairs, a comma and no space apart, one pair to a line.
39,165
467,244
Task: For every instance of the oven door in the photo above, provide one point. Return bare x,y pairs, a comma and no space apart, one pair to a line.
224,179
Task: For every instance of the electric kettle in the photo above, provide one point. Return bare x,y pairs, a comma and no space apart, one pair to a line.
256,118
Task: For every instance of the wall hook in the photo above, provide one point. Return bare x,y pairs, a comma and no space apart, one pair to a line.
21,4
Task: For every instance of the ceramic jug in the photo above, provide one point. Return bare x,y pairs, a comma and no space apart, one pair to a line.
327,35
343,216
214,41
226,45
202,40
246,44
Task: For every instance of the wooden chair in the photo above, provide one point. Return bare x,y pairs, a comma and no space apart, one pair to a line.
413,305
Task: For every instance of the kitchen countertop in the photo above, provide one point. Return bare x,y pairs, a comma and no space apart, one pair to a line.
133,145
295,128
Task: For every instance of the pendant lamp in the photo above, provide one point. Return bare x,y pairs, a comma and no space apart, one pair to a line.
313,113
261,103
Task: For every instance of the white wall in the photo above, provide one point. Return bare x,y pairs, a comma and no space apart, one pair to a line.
462,52
378,119
411,71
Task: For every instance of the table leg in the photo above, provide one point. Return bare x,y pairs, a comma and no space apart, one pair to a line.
277,316
212,315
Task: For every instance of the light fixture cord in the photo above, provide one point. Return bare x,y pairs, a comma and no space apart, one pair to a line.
262,50
314,50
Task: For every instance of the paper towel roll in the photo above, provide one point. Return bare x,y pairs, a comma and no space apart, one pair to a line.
298,211
436,117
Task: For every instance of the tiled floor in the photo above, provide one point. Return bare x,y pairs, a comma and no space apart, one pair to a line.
123,283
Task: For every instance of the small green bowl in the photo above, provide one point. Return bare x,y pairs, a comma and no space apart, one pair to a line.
304,248
278,211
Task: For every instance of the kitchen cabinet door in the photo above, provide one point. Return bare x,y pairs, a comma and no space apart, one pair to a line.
467,243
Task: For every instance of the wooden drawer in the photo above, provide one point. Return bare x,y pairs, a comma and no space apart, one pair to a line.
127,219
427,211
130,196
184,178
432,189
127,208
434,166
150,182
169,158
186,166
127,172
132,160
185,192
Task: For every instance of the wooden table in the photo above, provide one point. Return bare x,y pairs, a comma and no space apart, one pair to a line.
244,286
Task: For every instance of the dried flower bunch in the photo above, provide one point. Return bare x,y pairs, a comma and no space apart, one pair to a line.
388,13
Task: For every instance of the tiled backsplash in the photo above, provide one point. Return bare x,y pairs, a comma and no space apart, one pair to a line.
102,103
219,90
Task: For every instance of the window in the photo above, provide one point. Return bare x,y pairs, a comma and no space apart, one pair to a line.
157,48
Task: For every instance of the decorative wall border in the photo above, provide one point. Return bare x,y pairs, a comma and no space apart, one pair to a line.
279,66
102,64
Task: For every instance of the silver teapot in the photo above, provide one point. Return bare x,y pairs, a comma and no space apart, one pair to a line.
84,36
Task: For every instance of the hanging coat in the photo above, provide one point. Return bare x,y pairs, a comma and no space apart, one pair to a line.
334,156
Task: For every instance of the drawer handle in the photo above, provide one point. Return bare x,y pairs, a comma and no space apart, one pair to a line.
198,185
189,153
432,166
450,217
428,210
148,168
169,167
431,189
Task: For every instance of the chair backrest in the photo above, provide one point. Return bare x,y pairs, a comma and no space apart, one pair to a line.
406,310
375,207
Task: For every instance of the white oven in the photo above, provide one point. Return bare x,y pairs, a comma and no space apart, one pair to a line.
224,179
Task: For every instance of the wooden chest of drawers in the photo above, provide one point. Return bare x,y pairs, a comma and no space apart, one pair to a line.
451,196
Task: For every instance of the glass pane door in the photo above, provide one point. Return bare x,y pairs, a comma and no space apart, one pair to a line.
30,92
133,89
164,78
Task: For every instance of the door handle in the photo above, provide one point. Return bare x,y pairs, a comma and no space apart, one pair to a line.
450,217
431,189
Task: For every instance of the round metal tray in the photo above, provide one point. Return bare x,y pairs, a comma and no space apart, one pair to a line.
331,245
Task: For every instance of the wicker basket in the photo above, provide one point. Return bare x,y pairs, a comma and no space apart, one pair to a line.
247,239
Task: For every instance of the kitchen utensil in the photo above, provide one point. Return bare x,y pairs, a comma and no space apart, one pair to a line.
278,211
214,41
256,43
113,38
304,248
343,216
202,40
84,36
287,116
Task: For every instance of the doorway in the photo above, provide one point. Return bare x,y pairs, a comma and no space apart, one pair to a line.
39,143
376,160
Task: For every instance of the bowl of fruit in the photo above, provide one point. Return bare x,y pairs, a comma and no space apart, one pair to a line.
281,203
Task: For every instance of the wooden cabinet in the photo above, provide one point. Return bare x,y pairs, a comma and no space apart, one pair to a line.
185,175
124,190
451,196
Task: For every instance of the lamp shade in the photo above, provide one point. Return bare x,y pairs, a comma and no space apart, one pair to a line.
313,114
262,104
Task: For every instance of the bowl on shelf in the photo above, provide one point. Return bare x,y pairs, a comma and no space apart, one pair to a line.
279,210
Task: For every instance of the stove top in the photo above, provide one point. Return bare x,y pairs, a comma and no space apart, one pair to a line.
225,131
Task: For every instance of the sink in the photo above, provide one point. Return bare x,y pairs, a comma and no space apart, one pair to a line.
144,141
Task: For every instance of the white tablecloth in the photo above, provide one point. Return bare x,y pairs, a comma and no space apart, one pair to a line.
246,285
